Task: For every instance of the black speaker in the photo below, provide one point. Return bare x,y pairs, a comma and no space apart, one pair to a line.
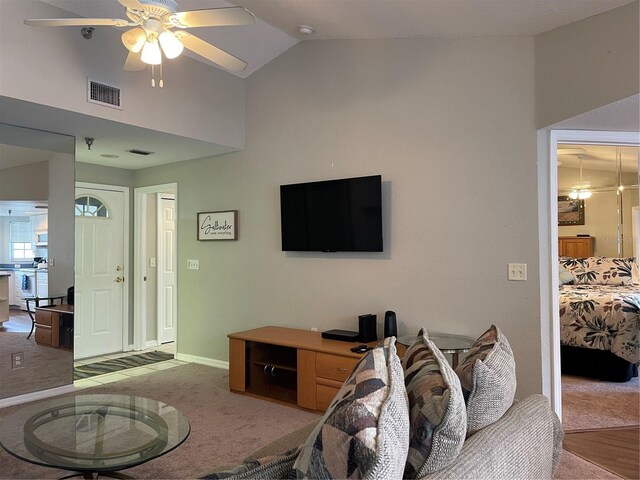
367,328
390,324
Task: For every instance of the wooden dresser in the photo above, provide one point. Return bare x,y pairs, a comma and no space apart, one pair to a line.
290,365
575,247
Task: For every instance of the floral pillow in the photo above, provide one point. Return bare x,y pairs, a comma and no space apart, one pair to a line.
602,270
612,271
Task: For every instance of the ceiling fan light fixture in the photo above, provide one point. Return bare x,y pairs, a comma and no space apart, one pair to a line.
151,54
171,46
134,39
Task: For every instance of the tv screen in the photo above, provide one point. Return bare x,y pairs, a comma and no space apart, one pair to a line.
342,215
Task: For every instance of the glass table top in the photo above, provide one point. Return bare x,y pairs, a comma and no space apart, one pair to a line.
446,342
93,433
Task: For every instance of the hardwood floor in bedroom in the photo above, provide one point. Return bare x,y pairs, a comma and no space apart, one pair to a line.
617,450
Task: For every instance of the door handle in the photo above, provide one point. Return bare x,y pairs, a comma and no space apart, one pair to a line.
118,268
119,279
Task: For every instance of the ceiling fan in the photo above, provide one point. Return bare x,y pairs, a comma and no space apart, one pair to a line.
153,34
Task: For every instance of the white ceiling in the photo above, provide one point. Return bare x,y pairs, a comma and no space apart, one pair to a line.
275,30
22,208
598,157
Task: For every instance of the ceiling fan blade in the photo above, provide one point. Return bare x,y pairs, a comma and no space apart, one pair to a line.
214,17
134,63
76,22
208,51
132,4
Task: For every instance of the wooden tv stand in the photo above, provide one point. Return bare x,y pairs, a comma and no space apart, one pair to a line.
289,365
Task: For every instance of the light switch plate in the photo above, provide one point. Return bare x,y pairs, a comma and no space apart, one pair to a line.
193,264
517,272
152,262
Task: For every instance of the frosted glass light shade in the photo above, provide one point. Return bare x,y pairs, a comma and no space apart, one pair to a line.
579,194
134,39
151,52
171,46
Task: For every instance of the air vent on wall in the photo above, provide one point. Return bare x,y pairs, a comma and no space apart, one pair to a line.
103,94
137,151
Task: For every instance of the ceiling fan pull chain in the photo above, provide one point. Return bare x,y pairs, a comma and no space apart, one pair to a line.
153,76
161,81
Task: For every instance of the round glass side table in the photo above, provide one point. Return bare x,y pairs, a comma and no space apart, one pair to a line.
446,343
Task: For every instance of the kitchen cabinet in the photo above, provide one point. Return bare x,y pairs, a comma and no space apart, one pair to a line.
42,283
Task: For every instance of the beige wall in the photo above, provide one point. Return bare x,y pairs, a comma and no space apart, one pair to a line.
61,223
438,119
152,272
25,182
587,64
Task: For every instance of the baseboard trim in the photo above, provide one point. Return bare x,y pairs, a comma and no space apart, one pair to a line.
151,344
30,397
211,362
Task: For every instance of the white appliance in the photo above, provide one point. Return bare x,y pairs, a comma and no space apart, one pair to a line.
25,289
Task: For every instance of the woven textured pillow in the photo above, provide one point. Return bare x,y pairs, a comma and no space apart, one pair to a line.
438,420
274,466
363,434
488,379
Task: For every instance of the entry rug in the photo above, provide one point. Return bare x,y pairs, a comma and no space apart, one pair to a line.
116,364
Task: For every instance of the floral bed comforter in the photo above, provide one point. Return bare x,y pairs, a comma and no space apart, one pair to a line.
603,317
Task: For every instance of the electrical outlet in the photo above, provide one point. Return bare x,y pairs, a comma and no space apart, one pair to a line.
193,264
517,271
314,329
52,262
17,360
152,262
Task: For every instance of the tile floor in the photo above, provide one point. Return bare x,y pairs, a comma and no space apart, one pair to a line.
129,372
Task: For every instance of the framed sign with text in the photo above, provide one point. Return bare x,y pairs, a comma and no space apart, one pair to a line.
218,225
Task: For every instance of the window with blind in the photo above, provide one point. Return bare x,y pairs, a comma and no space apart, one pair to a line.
20,241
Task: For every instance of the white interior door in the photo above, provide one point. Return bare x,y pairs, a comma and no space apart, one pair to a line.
100,281
167,255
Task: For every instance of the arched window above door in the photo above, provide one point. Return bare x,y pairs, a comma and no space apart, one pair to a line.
89,206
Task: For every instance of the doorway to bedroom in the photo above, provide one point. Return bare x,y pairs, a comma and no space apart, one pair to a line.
598,296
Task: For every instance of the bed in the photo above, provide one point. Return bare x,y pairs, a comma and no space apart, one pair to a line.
600,317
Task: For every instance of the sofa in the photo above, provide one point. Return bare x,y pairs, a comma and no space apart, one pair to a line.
526,443
418,418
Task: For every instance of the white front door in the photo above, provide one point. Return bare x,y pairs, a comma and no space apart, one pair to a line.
167,253
100,280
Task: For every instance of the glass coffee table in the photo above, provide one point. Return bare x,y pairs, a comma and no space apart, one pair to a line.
446,343
93,434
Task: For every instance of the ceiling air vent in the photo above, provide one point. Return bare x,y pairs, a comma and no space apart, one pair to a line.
103,94
137,151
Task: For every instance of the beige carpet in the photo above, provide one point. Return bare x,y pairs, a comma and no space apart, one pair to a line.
225,427
588,404
44,367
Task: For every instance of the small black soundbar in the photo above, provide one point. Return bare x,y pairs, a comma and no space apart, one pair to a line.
342,335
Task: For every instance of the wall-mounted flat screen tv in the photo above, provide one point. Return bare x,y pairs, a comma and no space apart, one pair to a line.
342,215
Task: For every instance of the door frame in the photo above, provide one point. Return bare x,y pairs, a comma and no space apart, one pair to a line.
126,346
548,141
140,255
